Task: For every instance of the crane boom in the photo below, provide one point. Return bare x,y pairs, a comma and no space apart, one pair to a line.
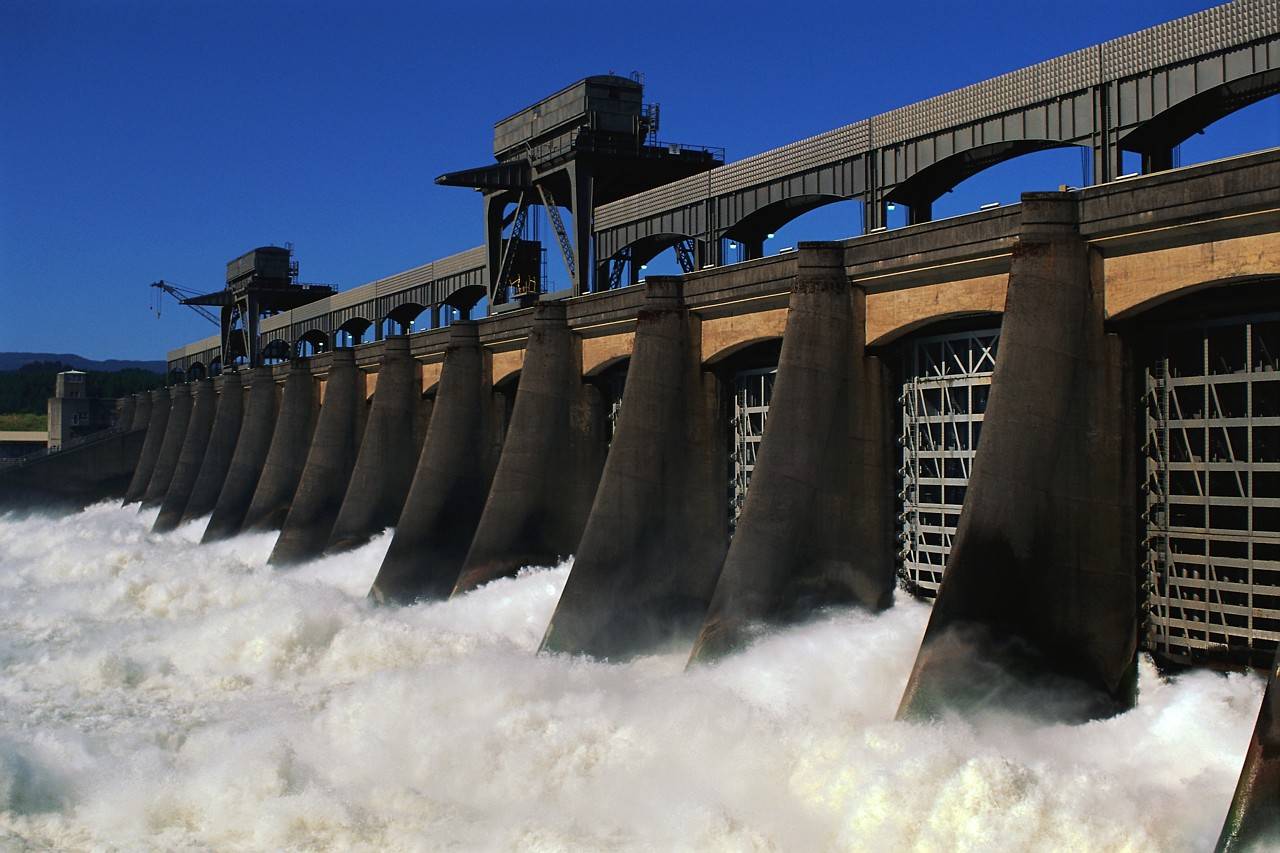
182,294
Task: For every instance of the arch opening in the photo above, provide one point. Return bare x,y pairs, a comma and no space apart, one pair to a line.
351,333
778,227
990,175
276,351
313,342
944,371
1230,119
1209,474
196,371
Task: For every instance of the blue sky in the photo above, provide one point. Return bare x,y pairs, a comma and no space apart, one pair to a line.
146,140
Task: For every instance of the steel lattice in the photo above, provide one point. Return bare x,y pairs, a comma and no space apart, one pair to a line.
944,396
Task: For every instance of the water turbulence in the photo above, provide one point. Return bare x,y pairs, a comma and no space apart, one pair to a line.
157,694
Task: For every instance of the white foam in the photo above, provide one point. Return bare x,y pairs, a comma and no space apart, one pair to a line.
159,694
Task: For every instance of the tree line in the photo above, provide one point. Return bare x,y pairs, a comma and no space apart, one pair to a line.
28,388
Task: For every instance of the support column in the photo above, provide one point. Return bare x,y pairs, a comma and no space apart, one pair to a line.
1254,818
125,407
222,447
817,526
449,488
157,422
190,458
250,456
324,480
171,447
550,465
288,454
388,453
141,411
655,540
582,201
1038,606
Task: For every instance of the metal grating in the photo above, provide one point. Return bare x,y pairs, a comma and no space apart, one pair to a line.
752,393
944,397
1212,492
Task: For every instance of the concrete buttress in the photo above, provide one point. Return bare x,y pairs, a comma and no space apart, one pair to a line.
1037,607
252,446
388,452
141,410
222,445
125,407
190,458
551,461
1254,817
817,526
455,469
175,432
332,456
157,422
654,543
290,442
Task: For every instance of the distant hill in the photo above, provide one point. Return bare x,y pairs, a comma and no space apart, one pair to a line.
15,360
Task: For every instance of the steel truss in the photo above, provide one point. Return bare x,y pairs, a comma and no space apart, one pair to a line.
944,396
1212,491
752,393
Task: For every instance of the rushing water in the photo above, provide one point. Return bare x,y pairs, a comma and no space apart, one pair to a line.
159,694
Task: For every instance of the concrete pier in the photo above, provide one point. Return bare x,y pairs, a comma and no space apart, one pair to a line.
190,457
157,422
816,529
654,543
222,445
331,458
175,432
1037,606
388,454
252,446
141,411
290,443
1254,818
125,407
449,487
550,465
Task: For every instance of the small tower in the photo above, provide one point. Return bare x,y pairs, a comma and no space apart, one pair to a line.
69,408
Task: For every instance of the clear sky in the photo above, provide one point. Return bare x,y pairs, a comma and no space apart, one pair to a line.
159,139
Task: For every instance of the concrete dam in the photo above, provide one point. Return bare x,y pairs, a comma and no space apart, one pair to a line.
1058,420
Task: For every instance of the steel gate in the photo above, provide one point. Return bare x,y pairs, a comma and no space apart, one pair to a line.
944,396
752,392
1212,491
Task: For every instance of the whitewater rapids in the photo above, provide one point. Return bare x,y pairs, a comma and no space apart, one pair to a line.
156,694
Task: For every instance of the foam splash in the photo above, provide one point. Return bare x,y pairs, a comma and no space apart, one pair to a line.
159,694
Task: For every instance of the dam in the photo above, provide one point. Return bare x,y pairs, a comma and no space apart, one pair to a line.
1058,421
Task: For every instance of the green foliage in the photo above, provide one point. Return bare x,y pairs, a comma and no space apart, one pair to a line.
28,388
24,422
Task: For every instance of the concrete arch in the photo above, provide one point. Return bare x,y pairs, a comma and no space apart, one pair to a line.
647,248
177,375
1156,137
1137,283
506,364
196,371
601,353
215,366
891,314
919,191
606,366
725,337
